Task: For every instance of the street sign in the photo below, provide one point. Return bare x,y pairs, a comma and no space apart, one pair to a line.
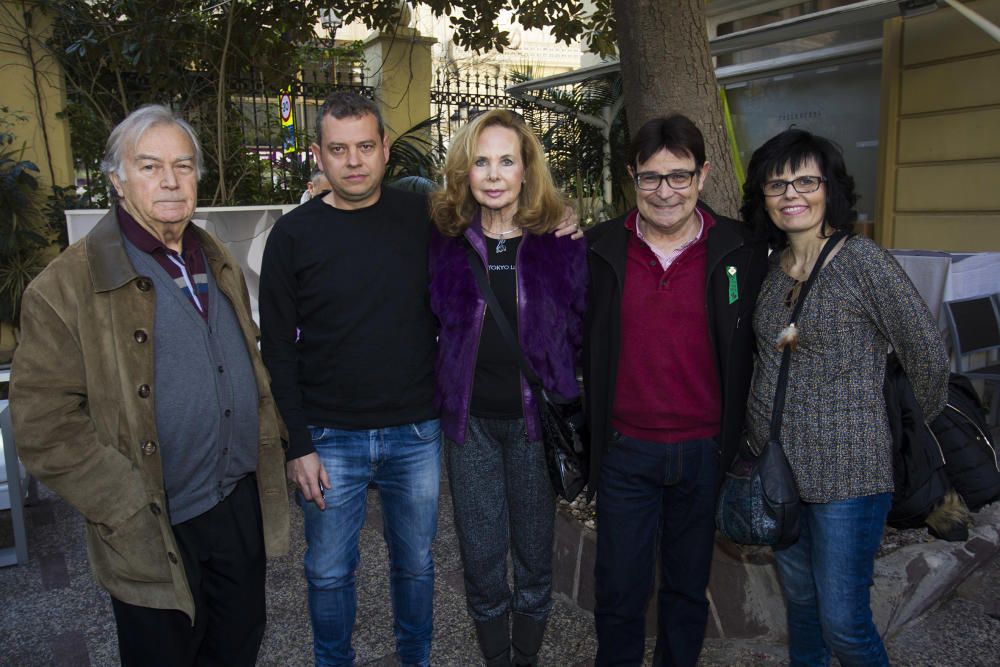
287,121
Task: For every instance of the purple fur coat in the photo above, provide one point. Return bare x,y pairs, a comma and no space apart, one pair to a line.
552,293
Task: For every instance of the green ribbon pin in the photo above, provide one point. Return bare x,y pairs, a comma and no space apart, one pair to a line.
734,289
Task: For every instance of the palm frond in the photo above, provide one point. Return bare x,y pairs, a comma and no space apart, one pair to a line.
414,153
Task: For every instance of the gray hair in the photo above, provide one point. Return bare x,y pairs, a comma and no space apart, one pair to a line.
128,133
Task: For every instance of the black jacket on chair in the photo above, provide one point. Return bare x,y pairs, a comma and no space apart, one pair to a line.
729,244
971,457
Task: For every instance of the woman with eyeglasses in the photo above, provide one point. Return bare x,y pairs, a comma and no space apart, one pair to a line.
834,430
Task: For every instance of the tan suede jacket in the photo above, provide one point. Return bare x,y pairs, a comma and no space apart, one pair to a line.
85,430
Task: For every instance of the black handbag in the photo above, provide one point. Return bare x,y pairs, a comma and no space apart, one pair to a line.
561,418
759,500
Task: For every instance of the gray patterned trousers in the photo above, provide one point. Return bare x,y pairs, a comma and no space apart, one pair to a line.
503,501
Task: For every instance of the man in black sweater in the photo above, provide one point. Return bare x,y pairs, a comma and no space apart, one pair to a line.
349,339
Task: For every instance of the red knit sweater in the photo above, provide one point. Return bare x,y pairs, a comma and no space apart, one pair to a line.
667,389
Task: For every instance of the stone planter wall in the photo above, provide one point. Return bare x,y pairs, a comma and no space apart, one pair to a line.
745,596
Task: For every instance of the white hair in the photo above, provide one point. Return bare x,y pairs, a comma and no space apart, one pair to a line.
128,133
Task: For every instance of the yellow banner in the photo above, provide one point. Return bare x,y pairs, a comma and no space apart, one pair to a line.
286,109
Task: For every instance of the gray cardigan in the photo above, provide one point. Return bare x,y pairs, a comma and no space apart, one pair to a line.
834,429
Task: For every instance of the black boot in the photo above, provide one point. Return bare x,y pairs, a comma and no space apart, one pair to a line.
494,641
526,638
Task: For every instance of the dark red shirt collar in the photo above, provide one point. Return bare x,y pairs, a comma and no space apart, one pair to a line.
142,239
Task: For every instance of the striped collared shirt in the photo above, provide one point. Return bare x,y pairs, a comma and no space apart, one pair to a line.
186,269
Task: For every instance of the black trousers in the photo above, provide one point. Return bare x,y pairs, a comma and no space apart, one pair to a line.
223,552
647,489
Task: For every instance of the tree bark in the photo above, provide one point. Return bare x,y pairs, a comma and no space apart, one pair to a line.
221,192
666,68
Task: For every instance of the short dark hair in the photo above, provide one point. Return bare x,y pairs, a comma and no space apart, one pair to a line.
793,148
341,104
676,133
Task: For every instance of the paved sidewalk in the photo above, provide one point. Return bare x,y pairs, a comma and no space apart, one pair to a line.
52,614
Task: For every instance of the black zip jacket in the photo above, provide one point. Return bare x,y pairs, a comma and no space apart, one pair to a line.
729,243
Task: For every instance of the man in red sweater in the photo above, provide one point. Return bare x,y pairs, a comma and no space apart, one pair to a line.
668,364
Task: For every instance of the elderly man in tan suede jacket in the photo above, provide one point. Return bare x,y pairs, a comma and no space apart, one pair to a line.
139,396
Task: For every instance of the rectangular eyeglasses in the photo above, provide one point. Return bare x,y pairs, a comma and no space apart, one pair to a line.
803,185
650,180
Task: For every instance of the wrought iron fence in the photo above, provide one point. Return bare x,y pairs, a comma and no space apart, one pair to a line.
259,114
456,99
253,126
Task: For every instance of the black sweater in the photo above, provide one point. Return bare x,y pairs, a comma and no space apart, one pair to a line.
346,328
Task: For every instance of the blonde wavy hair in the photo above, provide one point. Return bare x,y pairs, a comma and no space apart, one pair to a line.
540,206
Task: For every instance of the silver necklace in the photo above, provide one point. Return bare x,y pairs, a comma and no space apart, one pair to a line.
502,242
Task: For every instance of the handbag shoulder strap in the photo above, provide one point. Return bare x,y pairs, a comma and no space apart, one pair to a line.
479,271
786,358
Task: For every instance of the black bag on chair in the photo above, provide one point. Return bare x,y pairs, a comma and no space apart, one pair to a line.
971,457
759,500
561,418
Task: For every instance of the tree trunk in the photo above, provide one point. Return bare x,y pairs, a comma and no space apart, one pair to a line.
221,191
666,68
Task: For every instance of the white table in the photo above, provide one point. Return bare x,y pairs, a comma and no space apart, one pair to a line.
943,276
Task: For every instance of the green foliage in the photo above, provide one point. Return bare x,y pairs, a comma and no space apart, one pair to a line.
54,210
413,153
22,237
322,53
476,22
575,149
88,134
197,57
190,55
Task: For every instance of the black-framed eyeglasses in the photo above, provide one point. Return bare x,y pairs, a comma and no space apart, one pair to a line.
803,185
650,180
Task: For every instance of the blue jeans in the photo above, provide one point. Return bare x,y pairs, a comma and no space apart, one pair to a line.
648,489
404,462
827,576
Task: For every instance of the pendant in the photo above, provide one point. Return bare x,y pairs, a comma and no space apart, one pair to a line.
501,245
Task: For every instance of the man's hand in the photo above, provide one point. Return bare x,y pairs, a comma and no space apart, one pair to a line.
569,225
308,473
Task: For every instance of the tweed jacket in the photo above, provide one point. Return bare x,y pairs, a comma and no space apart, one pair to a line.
736,264
84,420
551,299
